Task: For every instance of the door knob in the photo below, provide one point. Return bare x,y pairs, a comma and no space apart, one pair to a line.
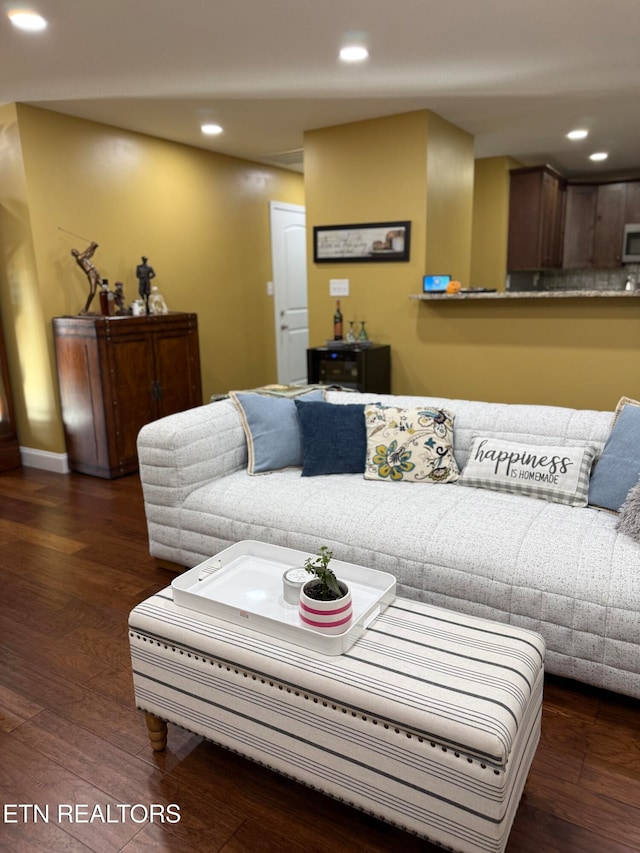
282,328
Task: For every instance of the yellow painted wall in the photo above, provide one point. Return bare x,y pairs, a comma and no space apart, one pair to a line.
581,353
377,171
490,221
450,170
201,218
25,325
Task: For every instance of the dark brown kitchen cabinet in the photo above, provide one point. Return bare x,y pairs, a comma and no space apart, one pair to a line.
9,447
117,374
594,224
536,217
610,216
632,202
579,226
556,222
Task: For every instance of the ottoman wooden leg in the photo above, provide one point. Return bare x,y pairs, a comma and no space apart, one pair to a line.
157,732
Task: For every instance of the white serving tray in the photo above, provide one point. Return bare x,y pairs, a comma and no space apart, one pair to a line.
243,585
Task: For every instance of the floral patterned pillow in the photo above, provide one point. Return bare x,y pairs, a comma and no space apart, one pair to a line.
410,444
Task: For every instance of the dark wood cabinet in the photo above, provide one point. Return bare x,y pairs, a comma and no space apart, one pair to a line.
117,374
579,227
632,202
554,222
554,198
594,225
610,218
360,368
9,447
536,217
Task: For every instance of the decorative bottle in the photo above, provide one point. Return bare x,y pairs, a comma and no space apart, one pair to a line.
107,306
337,323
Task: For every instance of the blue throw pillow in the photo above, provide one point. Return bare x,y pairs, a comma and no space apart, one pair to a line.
272,430
618,468
334,437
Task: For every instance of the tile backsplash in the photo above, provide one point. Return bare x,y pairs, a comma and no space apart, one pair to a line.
588,280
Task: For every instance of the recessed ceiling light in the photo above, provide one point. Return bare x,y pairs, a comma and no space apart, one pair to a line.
599,155
353,53
577,134
29,21
211,129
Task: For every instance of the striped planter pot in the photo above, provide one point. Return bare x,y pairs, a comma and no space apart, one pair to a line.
328,617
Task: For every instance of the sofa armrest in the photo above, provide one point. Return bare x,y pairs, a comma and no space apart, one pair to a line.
181,452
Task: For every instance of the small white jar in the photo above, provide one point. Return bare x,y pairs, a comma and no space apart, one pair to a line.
292,581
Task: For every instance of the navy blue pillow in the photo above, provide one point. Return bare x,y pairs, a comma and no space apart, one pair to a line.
334,438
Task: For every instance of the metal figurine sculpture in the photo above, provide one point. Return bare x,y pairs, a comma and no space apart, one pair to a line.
144,274
83,259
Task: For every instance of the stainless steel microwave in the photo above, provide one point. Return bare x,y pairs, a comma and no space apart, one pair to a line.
631,244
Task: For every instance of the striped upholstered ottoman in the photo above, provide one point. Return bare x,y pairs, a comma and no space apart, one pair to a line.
429,721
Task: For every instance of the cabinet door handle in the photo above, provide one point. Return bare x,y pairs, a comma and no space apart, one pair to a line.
156,390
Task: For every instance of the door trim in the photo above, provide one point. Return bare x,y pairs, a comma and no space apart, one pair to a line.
292,208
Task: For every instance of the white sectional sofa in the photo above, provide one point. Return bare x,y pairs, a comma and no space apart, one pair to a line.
564,571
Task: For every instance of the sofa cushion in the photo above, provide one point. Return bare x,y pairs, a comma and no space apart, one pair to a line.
618,468
410,444
553,473
334,438
272,430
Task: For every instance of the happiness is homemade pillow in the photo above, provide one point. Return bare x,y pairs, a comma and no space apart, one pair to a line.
557,474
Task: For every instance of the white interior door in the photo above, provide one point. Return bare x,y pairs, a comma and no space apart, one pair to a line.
289,262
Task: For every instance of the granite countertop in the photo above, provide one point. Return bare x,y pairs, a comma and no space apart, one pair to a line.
528,294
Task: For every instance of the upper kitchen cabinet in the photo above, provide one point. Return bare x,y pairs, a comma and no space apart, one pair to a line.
594,223
579,226
536,218
632,202
610,218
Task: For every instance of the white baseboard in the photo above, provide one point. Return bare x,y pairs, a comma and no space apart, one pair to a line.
47,461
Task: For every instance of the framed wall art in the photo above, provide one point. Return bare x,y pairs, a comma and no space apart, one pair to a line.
373,241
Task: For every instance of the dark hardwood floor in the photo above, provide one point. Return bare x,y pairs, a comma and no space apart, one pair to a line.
74,559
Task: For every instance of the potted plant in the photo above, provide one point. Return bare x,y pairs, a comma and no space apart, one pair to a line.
325,601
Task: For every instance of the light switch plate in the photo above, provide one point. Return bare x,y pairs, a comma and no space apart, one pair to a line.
338,287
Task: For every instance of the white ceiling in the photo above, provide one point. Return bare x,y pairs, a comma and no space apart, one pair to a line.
517,74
